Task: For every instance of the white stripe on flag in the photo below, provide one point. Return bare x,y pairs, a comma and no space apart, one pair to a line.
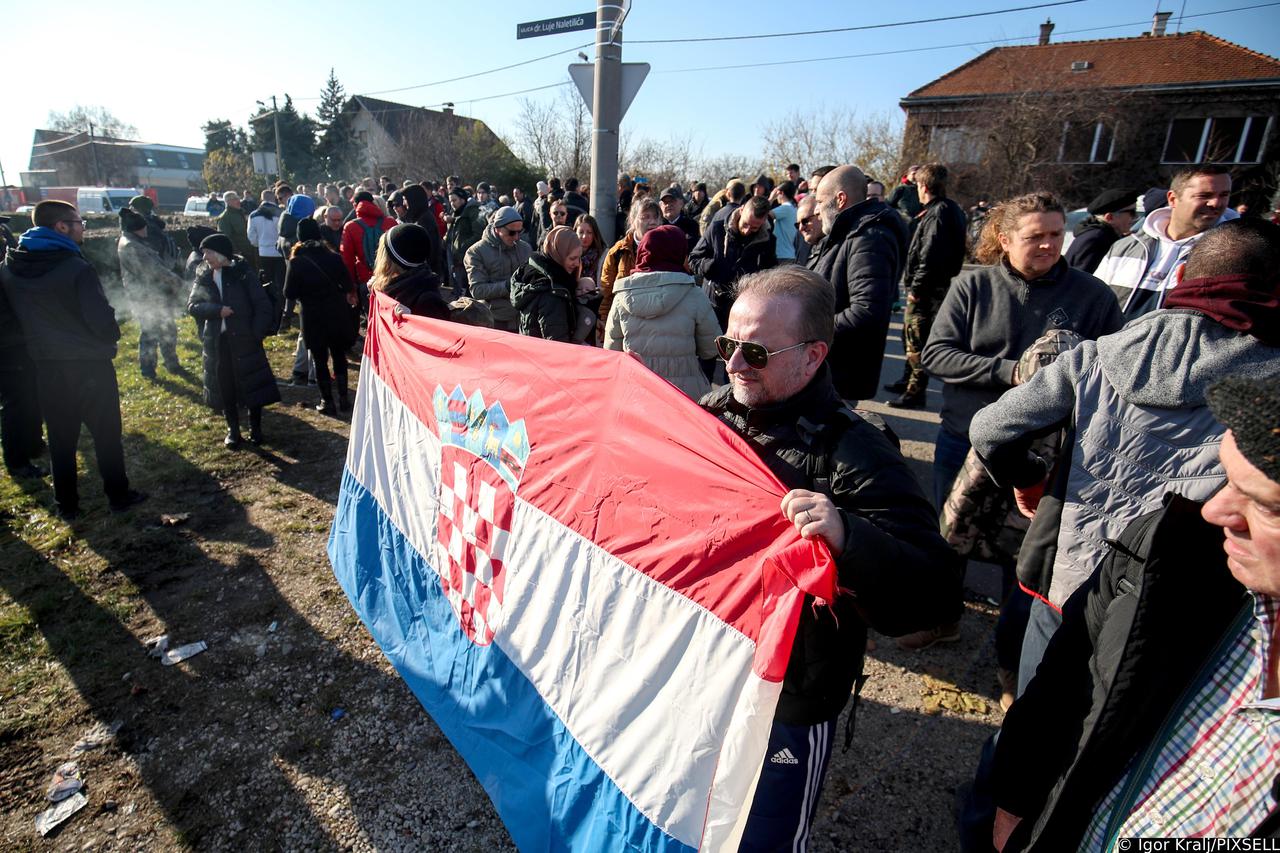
657,690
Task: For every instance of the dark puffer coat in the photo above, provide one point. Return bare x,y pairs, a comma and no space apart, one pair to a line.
543,292
862,257
317,278
419,291
246,327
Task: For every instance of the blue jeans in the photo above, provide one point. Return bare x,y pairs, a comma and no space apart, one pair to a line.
948,460
1041,625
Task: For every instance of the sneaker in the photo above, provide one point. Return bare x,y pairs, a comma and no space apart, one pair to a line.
233,439
132,498
924,639
908,401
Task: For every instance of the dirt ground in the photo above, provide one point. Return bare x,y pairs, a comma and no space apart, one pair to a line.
291,732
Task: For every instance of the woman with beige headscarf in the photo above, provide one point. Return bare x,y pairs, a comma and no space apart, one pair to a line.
544,290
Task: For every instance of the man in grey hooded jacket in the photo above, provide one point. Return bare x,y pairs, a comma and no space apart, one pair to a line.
492,259
1140,425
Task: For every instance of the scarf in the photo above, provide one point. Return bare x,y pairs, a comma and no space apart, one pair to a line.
559,242
1245,303
42,239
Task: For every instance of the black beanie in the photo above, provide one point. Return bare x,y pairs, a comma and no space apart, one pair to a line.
308,229
219,243
131,220
409,245
196,233
1250,408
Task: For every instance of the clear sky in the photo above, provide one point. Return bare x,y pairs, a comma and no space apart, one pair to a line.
169,67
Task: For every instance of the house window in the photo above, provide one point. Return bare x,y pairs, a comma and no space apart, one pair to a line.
1239,139
1086,142
954,144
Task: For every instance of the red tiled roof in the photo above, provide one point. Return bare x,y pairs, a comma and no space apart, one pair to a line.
1187,58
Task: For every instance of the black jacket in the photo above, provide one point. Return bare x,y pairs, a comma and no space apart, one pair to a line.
1093,239
689,226
862,257
318,279
248,324
60,305
1132,640
544,294
420,212
723,255
936,254
419,291
901,575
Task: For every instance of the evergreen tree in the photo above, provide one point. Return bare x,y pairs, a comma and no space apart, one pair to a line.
337,152
297,139
221,134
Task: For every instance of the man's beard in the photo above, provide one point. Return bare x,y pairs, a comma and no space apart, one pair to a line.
828,211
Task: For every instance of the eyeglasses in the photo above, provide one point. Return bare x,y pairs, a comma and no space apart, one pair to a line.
754,354
72,221
559,213
808,219
513,232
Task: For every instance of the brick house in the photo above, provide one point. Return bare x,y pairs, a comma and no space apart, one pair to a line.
1077,117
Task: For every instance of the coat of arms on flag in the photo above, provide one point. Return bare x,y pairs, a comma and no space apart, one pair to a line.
481,459
584,578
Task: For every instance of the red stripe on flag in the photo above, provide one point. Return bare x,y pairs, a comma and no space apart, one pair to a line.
626,460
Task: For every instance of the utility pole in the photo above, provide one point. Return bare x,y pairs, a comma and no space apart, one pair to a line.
97,169
606,116
275,118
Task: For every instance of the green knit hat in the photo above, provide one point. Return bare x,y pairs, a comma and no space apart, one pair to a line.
1250,408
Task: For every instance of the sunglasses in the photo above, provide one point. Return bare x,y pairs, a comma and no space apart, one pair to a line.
513,232
754,354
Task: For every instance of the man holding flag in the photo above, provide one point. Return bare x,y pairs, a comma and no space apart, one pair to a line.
851,489
631,633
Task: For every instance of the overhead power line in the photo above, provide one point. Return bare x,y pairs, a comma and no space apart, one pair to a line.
938,46
862,27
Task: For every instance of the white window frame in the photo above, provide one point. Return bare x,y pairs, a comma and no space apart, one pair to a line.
1206,130
1093,147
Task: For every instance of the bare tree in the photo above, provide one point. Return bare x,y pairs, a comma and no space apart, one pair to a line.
104,122
555,135
833,137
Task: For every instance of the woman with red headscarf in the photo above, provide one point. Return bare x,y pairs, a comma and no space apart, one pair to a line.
659,314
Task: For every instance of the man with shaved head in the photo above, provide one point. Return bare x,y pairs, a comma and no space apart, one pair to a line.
861,256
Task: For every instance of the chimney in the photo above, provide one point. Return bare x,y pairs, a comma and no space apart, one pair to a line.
1045,29
447,109
1160,22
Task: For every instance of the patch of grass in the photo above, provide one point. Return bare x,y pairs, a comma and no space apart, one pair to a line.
68,593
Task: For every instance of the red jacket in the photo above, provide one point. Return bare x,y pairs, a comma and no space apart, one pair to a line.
353,255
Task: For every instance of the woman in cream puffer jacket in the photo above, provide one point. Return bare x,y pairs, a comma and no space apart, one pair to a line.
660,315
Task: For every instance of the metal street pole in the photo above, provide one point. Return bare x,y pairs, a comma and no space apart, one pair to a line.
97,169
606,116
275,118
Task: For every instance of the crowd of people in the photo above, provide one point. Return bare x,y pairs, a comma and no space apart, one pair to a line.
1109,429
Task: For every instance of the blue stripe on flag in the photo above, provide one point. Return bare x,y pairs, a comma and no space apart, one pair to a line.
550,794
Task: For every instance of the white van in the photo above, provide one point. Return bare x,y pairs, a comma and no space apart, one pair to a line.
197,206
103,199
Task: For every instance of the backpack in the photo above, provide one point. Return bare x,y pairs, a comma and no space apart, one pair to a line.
371,234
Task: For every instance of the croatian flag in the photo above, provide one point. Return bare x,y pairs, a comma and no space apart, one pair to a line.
584,577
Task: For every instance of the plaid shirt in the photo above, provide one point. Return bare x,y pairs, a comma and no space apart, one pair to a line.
1216,756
